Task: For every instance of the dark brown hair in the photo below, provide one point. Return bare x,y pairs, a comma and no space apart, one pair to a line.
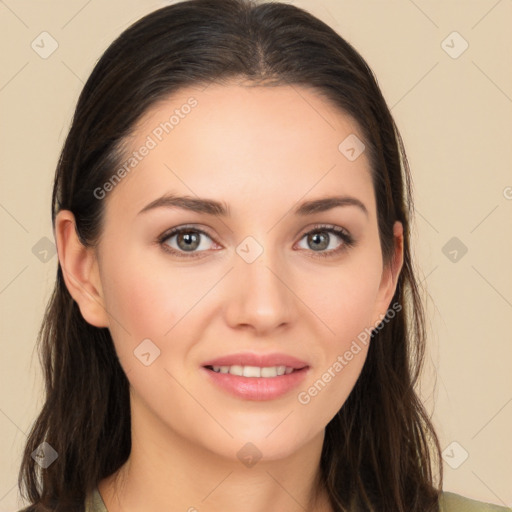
380,451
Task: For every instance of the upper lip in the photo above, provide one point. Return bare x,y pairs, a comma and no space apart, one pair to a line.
261,360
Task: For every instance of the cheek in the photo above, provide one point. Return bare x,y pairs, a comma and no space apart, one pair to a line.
147,298
344,298
141,305
346,309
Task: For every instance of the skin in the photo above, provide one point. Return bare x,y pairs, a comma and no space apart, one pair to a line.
261,150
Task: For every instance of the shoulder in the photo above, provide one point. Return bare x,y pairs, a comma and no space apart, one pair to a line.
93,503
451,502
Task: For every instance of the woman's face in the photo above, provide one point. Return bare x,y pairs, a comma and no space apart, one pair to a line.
253,280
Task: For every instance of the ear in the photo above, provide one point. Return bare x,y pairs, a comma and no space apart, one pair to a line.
80,269
390,275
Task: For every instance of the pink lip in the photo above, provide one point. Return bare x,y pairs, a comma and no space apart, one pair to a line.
262,360
257,388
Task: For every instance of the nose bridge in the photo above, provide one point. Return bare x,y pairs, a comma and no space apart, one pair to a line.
259,296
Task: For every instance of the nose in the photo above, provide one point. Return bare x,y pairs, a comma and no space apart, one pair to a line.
259,296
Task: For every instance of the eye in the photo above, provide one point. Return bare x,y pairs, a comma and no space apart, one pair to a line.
187,239
320,238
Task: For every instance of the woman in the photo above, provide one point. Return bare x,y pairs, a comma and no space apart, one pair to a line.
200,352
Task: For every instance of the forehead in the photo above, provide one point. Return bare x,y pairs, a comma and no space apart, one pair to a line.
243,141
284,113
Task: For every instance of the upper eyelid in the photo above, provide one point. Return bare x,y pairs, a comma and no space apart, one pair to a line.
178,229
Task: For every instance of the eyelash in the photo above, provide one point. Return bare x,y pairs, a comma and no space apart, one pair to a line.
348,240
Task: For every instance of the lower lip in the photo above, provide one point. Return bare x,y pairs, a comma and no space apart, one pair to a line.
257,388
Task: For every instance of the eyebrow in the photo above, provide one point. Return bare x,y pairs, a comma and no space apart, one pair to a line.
221,209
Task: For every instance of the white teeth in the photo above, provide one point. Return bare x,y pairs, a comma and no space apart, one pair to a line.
254,371
269,372
236,370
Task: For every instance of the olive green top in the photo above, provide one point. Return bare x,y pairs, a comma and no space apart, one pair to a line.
449,502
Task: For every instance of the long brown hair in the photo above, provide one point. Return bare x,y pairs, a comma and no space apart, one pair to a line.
380,451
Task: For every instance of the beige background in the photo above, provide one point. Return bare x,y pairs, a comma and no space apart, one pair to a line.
455,117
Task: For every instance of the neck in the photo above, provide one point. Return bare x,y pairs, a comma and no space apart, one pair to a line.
166,470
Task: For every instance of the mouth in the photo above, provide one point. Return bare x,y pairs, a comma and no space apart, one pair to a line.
257,383
253,376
